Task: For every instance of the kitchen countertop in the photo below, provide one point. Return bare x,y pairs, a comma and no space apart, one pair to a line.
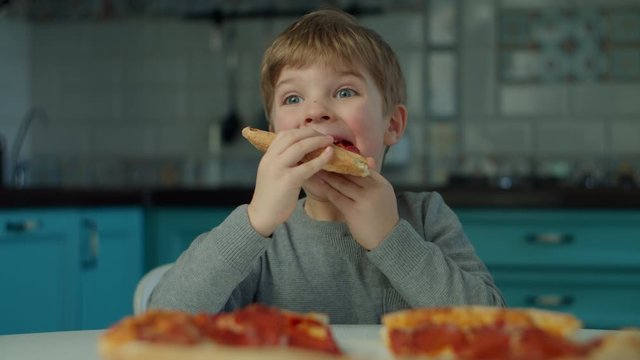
456,197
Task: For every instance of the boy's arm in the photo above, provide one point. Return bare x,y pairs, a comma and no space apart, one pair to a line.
430,261
216,265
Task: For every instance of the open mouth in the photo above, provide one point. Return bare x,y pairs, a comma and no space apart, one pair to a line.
347,145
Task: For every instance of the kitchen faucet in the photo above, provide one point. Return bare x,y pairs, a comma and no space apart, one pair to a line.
18,169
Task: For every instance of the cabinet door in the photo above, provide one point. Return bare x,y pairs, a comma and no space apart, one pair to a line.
171,230
602,300
111,263
554,238
37,260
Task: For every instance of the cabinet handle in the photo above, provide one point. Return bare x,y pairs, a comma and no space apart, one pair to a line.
91,245
23,226
550,238
549,301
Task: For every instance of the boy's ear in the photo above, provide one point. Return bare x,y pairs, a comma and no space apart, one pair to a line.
396,126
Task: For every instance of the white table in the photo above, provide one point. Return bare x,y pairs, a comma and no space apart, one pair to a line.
361,340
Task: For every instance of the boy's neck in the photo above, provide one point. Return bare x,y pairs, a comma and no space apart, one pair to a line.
322,210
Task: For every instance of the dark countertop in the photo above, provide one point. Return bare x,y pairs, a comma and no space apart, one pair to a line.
456,197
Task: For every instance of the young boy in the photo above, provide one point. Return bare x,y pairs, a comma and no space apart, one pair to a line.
351,248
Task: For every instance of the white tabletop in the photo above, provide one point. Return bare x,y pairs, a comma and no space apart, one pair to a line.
361,340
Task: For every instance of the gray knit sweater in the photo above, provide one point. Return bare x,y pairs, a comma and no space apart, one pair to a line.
310,265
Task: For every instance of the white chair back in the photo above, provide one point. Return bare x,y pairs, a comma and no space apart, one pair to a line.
145,287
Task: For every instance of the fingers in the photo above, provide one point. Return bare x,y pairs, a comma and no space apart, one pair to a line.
334,195
343,184
313,166
286,139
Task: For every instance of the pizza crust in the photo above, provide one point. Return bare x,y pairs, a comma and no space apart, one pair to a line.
477,316
342,162
622,345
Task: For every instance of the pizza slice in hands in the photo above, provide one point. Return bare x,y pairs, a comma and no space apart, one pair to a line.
254,332
346,157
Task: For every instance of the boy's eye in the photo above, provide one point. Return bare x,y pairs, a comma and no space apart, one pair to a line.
292,99
343,93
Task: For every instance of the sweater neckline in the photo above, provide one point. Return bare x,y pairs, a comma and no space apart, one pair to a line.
300,216
336,232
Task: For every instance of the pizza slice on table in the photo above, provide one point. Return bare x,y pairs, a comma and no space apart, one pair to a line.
478,332
254,332
453,333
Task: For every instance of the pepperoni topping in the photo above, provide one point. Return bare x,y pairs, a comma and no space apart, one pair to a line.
311,334
495,342
166,327
487,343
537,344
347,145
429,339
254,325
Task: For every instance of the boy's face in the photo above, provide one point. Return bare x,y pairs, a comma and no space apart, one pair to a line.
336,102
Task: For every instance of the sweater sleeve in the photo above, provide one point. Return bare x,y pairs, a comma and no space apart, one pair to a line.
218,268
429,260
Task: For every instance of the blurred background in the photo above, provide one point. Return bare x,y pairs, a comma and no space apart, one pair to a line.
124,93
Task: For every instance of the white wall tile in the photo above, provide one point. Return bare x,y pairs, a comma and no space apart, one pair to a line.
59,39
206,104
625,137
91,72
526,100
400,29
15,36
250,35
148,103
207,69
123,140
478,24
60,140
478,83
156,69
183,140
14,92
412,63
178,36
164,37
46,82
497,137
89,107
15,71
111,38
534,3
557,137
606,99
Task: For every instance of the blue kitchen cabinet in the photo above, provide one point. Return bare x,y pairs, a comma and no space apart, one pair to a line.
38,258
585,262
170,230
111,263
68,269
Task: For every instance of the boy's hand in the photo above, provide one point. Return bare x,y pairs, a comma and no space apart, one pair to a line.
368,204
280,176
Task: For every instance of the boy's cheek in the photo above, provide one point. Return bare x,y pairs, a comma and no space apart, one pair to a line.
280,121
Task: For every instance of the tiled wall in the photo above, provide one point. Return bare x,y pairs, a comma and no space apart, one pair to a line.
139,102
15,84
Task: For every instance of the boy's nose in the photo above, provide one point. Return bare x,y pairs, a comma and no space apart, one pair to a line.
312,119
317,112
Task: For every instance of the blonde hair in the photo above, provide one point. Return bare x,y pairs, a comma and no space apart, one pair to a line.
333,38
